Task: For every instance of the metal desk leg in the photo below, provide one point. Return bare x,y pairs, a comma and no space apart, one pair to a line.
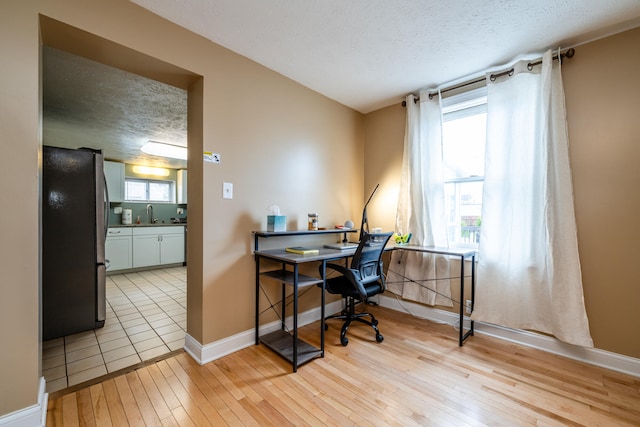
295,318
283,304
322,313
464,336
257,299
473,286
462,302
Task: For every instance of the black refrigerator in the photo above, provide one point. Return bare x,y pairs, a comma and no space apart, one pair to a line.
74,222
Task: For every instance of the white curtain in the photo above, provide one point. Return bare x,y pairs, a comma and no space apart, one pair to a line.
414,275
529,269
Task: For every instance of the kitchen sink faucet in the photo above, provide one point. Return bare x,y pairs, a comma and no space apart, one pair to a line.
152,220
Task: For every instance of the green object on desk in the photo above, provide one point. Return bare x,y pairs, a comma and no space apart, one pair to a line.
403,239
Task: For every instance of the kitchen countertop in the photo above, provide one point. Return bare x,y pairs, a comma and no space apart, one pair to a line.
166,224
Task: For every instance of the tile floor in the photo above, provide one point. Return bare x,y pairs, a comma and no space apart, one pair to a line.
146,317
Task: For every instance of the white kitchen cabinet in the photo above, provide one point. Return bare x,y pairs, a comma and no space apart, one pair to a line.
146,250
114,174
182,186
172,248
118,248
158,245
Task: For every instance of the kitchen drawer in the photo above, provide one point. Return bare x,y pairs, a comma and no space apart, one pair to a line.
118,231
157,231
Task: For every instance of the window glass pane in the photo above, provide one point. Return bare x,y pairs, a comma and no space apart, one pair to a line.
144,190
463,147
159,191
464,211
463,136
135,190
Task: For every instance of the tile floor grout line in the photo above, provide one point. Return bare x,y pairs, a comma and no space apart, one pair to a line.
134,290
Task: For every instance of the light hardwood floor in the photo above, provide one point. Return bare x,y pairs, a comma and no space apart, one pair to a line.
417,376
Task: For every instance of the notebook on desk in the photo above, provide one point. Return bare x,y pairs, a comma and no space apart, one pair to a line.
342,245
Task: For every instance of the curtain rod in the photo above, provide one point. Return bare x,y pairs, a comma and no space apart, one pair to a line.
568,54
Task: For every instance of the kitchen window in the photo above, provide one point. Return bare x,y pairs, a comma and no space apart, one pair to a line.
463,143
148,190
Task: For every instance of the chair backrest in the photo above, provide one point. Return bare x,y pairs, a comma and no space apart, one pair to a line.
368,257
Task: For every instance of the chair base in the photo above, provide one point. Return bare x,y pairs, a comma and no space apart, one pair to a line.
349,315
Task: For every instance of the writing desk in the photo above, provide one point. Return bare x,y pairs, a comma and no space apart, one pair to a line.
462,253
287,344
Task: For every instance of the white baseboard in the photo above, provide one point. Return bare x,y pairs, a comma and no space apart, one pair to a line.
34,415
215,350
605,359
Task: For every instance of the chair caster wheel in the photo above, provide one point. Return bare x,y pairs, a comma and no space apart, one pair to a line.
379,338
344,341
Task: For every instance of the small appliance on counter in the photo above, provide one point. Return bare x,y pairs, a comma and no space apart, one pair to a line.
126,216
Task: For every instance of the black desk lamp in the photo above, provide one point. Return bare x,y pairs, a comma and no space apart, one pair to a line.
364,227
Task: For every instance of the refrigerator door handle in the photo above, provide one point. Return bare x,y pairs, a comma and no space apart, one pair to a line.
106,205
102,207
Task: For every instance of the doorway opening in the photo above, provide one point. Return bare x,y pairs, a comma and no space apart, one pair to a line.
147,306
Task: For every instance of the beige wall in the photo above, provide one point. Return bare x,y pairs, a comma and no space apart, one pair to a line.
602,92
19,252
384,136
278,142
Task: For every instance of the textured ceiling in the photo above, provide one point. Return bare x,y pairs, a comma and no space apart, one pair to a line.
367,54
88,104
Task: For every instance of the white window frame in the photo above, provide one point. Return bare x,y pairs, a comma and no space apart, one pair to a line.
170,184
456,107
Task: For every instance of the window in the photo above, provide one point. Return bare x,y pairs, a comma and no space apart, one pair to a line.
147,190
463,142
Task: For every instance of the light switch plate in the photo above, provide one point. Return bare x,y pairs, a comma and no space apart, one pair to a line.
227,190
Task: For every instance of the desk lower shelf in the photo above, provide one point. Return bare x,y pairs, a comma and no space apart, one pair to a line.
280,342
288,277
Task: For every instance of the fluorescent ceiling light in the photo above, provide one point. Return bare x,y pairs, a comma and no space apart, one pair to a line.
148,170
165,150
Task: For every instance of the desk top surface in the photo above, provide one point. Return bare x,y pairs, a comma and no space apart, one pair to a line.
325,254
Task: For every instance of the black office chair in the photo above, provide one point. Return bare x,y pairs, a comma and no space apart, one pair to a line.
363,279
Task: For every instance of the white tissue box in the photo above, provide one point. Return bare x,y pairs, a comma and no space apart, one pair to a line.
276,223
